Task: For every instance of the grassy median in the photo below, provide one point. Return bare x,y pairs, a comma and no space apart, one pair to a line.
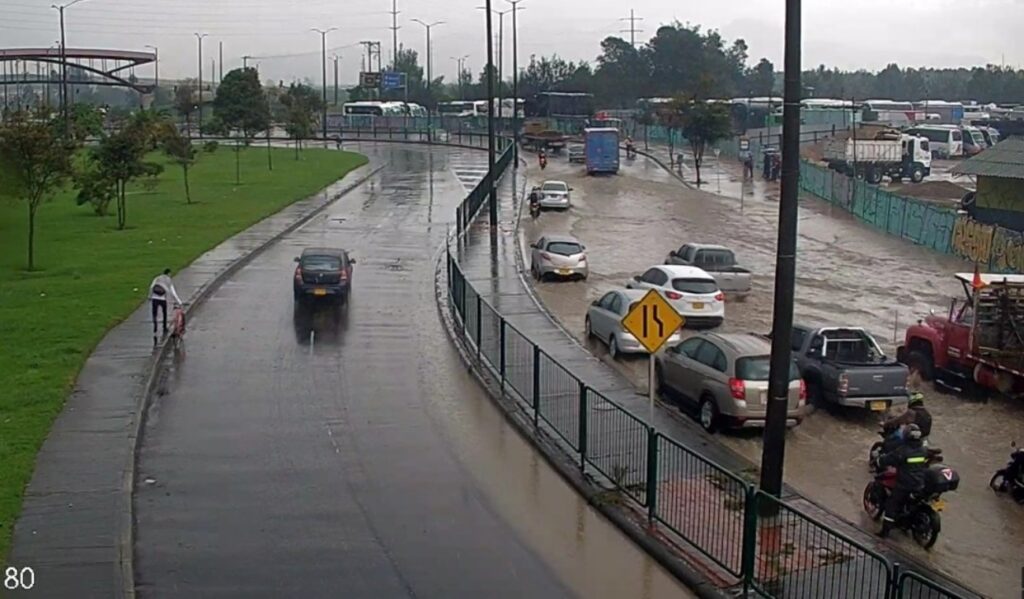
90,276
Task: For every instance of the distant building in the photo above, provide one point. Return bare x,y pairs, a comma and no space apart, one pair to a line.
1000,174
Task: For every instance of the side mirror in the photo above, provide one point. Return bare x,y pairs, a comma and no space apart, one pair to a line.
351,260
636,278
570,189
297,259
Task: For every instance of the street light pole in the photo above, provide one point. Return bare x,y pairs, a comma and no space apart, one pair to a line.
199,87
63,64
323,64
773,453
430,72
492,192
515,79
336,57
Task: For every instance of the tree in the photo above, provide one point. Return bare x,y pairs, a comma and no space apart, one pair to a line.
34,163
241,104
85,121
300,103
761,78
702,123
180,149
120,158
185,103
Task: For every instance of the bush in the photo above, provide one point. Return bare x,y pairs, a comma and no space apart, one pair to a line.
210,147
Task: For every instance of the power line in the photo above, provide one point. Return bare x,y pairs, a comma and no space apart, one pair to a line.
632,27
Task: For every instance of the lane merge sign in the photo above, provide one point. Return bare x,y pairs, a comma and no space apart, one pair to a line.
652,320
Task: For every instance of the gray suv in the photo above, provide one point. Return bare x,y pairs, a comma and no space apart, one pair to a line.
725,377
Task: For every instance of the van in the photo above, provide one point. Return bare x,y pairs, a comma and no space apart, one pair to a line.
944,141
974,140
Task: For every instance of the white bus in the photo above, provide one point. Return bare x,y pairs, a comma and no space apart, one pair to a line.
945,141
458,108
890,112
374,108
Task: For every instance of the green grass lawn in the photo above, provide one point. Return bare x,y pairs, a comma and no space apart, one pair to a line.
89,276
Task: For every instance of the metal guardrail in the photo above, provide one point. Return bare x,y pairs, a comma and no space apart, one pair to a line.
785,555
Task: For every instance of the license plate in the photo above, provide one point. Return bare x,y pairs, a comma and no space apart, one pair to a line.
564,271
319,292
938,505
698,305
879,406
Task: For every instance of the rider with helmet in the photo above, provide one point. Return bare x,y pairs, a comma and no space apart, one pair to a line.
910,460
916,414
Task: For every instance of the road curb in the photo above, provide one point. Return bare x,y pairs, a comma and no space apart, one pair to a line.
566,468
125,581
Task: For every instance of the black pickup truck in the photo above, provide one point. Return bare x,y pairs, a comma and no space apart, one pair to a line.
845,366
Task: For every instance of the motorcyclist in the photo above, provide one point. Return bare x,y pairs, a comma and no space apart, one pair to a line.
916,413
534,200
542,158
910,460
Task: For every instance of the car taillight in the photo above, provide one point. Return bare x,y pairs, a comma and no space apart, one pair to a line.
672,295
719,297
844,384
583,258
344,274
737,388
545,256
803,392
298,272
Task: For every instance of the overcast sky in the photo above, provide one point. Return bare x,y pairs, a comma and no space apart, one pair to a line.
862,34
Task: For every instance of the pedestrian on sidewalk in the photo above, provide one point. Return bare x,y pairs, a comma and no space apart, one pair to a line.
158,290
747,158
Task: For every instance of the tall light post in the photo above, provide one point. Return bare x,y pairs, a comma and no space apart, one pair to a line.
460,62
515,78
64,62
773,452
492,192
336,58
323,64
199,87
430,72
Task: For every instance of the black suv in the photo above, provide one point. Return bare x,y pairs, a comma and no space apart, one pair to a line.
323,273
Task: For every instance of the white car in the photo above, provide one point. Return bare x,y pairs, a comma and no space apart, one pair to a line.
555,194
604,322
577,153
691,291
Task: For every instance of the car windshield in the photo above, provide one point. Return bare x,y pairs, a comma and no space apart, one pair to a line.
756,368
555,187
564,248
694,285
321,263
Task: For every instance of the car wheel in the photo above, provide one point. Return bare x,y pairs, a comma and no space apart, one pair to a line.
586,328
707,414
613,348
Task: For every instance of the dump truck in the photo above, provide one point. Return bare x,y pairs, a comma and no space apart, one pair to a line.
896,156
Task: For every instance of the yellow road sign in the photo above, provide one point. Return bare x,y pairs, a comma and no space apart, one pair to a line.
652,320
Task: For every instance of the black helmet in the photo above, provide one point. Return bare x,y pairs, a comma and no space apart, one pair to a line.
913,432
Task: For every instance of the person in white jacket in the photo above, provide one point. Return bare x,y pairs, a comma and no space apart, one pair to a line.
159,289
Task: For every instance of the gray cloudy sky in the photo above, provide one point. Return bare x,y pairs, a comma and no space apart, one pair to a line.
866,33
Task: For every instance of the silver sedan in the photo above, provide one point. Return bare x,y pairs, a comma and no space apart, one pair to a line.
561,256
604,321
555,194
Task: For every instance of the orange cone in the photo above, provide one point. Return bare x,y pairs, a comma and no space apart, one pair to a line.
977,283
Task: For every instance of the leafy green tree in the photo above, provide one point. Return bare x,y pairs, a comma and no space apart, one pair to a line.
241,103
180,149
34,164
299,105
761,78
702,124
85,121
185,103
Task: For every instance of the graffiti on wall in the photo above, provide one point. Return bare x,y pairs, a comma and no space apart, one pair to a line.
972,240
1007,251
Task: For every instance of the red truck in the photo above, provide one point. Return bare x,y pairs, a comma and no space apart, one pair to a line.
979,344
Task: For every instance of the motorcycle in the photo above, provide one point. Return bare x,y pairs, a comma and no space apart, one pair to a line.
878,449
920,514
1011,478
543,159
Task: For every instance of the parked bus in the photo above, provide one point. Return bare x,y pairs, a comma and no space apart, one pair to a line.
890,112
459,108
561,104
373,108
945,141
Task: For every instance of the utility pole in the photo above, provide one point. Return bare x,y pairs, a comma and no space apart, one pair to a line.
199,37
394,33
220,61
323,64
632,27
774,448
492,192
515,78
430,71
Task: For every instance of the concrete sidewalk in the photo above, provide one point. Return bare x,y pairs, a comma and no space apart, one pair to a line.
76,527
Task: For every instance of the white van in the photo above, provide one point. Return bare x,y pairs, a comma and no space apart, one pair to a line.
974,140
944,141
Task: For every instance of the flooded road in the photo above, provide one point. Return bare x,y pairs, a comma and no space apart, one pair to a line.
847,274
322,452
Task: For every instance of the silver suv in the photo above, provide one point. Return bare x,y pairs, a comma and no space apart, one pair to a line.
725,376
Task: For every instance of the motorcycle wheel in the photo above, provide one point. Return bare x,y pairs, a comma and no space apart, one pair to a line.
874,503
926,526
998,482
873,454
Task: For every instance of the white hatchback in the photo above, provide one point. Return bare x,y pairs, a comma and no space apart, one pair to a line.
691,291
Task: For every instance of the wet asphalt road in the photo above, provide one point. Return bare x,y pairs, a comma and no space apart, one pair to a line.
321,454
847,273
